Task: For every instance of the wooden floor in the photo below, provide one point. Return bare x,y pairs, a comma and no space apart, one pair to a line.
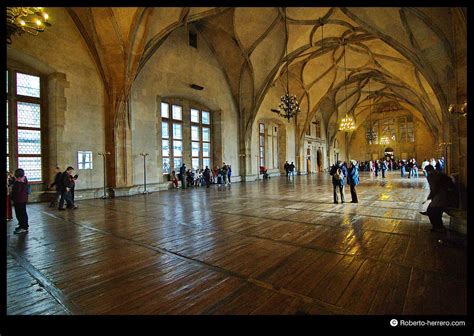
268,247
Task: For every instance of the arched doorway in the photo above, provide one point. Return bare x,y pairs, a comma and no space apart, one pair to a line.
388,153
319,156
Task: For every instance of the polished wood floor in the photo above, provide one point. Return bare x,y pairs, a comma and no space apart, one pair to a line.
269,247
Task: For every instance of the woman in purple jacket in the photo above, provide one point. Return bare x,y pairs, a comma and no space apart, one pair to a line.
19,196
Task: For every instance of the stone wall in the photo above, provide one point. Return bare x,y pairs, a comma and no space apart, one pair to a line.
75,96
169,74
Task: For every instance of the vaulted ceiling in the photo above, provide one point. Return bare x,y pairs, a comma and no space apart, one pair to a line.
339,58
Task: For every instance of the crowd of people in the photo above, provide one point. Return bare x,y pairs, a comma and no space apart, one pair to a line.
201,177
18,187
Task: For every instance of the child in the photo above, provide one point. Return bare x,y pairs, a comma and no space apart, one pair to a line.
174,179
19,196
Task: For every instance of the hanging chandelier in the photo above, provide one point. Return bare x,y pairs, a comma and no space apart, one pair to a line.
347,123
288,107
26,19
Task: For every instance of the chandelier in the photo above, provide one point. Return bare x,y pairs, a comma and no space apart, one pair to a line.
288,106
458,108
26,19
347,123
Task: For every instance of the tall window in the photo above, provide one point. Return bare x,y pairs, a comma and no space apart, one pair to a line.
172,137
200,138
262,143
405,129
24,128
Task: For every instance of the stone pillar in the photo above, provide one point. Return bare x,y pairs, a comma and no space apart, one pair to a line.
57,107
158,155
186,132
217,139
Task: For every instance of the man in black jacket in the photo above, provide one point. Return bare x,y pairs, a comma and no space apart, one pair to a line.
182,175
66,185
57,183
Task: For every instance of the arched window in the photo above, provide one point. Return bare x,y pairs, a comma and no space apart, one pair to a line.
24,123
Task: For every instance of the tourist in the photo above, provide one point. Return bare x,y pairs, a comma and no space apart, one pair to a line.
19,196
291,169
229,172
182,175
66,185
442,196
414,168
353,179
338,173
225,171
174,179
287,169
423,166
207,176
383,167
57,183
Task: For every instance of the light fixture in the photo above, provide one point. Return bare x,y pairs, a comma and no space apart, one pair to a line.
384,140
289,106
26,19
458,109
347,123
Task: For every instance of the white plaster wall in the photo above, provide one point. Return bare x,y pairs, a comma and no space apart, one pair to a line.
168,73
61,48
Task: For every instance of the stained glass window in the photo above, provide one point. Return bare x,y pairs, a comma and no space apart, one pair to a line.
27,85
195,133
206,118
165,130
24,108
29,142
195,163
177,112
28,115
166,166
177,134
194,115
165,110
32,167
195,148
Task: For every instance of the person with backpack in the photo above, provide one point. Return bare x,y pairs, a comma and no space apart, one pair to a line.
338,173
442,195
19,196
353,179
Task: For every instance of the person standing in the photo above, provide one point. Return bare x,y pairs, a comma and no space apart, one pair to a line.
423,166
383,167
287,169
229,172
66,185
292,169
376,168
207,176
225,171
338,173
19,196
73,187
182,175
442,195
353,179
57,183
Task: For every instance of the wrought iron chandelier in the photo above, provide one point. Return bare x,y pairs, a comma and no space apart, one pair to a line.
347,123
458,109
26,19
288,107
